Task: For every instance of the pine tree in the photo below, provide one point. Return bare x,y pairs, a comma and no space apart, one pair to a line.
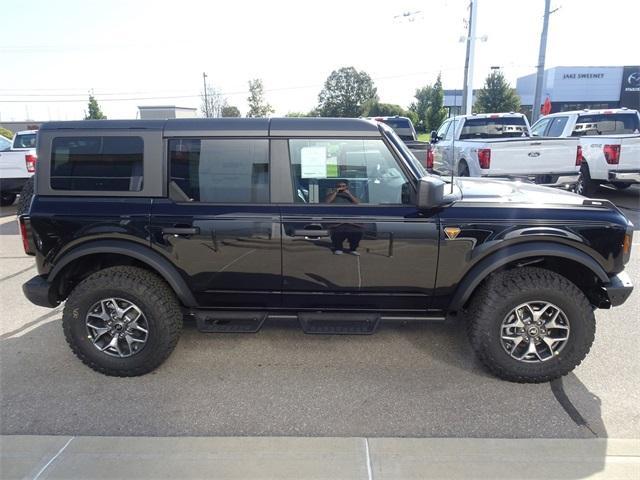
496,96
94,110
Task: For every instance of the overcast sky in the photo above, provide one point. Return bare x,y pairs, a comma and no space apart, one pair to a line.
52,53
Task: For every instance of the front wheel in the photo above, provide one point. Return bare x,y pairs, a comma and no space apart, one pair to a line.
122,321
530,325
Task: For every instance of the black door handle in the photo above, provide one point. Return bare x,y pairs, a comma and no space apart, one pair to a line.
181,230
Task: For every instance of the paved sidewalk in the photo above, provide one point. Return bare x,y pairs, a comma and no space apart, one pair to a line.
47,457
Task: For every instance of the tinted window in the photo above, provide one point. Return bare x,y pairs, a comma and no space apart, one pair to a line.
346,172
557,126
219,171
606,123
97,163
26,140
498,127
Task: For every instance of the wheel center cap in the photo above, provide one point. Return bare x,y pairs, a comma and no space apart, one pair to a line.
119,326
533,331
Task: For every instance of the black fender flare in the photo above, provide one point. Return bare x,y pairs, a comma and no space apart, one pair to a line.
485,267
144,254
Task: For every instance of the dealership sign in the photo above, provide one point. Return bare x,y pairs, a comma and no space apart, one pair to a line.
630,87
582,76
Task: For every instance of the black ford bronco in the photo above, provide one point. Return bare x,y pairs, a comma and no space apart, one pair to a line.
231,222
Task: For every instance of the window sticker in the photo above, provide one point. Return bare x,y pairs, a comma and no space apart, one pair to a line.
313,162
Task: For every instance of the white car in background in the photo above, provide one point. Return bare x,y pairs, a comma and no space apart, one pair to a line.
609,141
17,165
500,145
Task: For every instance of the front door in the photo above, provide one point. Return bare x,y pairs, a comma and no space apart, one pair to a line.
218,227
351,237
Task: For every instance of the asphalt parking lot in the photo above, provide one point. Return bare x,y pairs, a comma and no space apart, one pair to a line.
405,381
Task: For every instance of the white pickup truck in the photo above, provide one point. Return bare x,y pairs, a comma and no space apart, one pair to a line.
500,145
17,165
610,143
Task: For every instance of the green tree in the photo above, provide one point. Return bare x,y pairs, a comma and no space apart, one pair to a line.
373,108
497,96
230,111
345,93
420,106
94,110
435,113
6,133
258,106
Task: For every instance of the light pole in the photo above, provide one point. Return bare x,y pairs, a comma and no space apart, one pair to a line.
467,91
206,100
537,96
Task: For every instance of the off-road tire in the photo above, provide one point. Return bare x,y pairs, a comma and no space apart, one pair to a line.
505,290
24,201
585,186
145,289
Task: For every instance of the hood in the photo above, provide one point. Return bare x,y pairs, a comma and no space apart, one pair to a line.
501,191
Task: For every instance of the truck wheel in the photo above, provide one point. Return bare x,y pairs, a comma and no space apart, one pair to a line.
122,321
25,197
463,169
530,325
7,199
585,186
621,186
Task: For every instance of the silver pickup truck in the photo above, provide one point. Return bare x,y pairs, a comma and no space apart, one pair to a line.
500,145
17,165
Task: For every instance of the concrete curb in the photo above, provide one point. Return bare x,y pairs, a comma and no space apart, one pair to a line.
47,457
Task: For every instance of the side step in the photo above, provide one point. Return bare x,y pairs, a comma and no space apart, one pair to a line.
339,323
229,322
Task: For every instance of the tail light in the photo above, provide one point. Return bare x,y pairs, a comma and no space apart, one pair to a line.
24,233
429,159
579,157
30,160
611,154
484,157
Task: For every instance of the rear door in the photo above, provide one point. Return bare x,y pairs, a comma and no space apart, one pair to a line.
217,226
352,239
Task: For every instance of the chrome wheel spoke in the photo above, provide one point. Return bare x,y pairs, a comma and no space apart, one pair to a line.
117,327
534,331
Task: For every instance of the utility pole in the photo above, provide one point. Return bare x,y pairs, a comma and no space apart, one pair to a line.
206,100
537,97
467,92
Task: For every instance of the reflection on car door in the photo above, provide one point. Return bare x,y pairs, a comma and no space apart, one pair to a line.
351,237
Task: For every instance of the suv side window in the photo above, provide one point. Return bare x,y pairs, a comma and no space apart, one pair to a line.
346,171
219,171
557,126
97,163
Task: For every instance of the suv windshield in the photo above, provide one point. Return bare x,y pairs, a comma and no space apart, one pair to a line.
606,123
499,127
25,140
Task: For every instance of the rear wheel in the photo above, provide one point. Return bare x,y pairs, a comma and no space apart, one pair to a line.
585,186
122,321
7,199
530,325
621,186
463,169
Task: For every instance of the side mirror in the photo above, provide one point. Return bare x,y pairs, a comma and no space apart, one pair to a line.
434,136
430,192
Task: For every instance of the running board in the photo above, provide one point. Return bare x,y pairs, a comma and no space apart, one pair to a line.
339,323
209,321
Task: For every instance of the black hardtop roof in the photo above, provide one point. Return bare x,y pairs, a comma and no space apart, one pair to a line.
275,127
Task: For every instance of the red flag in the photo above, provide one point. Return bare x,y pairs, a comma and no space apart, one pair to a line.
546,107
